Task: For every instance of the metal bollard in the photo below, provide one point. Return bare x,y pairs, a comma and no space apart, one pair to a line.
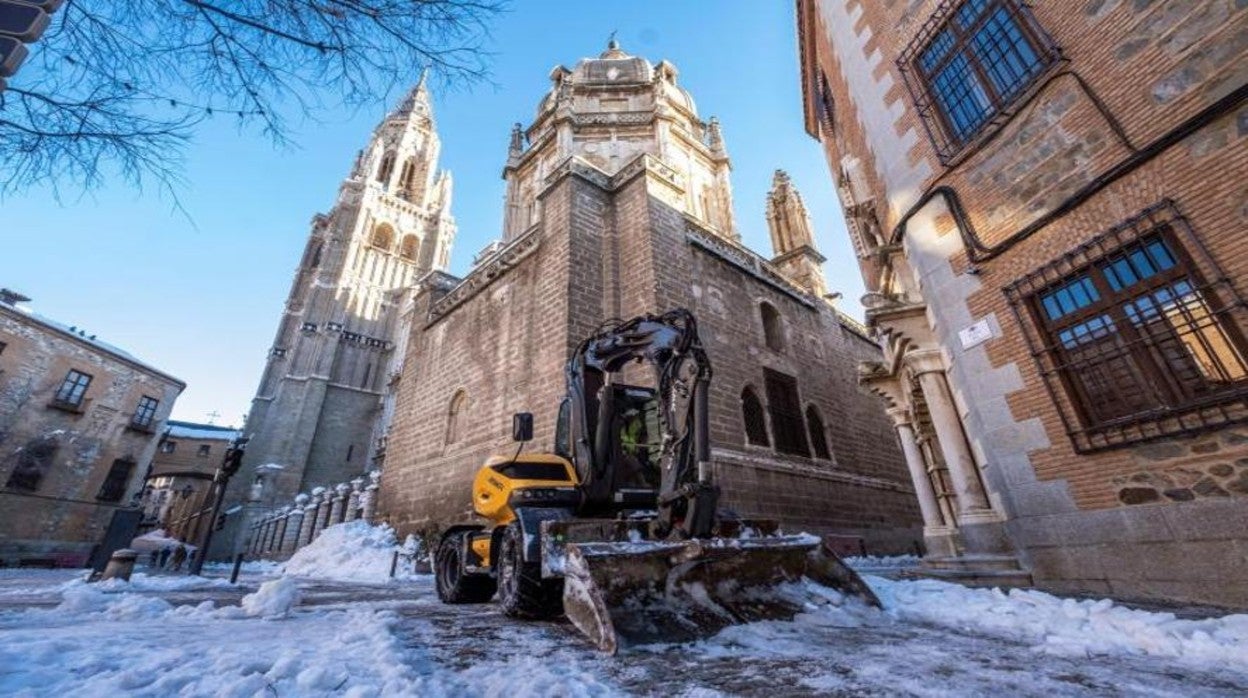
394,564
238,564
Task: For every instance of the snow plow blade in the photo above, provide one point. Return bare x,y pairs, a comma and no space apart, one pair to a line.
621,594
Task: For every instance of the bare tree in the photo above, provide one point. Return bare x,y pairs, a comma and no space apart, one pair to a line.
116,87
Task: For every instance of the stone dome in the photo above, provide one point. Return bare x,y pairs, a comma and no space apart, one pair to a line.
613,66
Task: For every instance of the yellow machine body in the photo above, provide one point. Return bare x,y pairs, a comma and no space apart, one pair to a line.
502,479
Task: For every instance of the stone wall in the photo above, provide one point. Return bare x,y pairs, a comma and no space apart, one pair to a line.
72,448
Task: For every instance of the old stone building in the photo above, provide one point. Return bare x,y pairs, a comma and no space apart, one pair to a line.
1048,204
177,492
79,422
320,414
618,203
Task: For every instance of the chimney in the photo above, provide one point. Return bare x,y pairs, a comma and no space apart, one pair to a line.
10,297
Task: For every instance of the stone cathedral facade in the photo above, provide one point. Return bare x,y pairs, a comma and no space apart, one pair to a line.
618,203
322,410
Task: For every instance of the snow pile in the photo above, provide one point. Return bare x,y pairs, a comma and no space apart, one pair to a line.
124,644
90,600
157,582
885,562
350,552
274,599
256,567
1069,627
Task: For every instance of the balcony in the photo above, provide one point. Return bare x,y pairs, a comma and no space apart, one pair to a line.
71,407
148,427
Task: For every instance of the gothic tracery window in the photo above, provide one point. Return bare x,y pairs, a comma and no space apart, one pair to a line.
387,167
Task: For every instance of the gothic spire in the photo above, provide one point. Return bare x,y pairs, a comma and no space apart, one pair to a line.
417,100
792,237
786,216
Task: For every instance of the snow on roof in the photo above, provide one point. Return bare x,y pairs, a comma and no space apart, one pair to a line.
191,430
82,336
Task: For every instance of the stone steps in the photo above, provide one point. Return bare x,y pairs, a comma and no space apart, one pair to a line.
974,571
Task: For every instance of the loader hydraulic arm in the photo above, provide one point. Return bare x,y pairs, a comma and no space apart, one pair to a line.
669,343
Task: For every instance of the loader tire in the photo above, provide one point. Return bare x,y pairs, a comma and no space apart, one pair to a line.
521,590
453,585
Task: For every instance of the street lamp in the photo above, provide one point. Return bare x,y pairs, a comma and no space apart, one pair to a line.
230,463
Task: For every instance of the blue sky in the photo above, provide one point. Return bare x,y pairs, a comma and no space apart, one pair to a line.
199,296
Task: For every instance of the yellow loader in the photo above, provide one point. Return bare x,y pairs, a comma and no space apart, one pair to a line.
619,526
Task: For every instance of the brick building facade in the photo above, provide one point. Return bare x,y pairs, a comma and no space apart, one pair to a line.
79,422
1048,203
619,203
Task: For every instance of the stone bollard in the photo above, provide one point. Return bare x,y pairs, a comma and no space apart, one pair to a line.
322,514
370,496
318,498
294,526
309,520
338,502
121,564
353,504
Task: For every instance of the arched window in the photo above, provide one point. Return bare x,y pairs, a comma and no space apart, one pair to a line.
818,437
409,248
755,422
387,167
316,255
458,404
773,326
383,237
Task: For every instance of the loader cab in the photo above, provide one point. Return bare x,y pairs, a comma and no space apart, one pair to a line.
614,441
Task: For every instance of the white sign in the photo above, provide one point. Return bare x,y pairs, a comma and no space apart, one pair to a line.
975,335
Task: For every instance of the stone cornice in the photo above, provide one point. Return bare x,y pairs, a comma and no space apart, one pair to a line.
801,251
485,274
644,163
746,260
739,459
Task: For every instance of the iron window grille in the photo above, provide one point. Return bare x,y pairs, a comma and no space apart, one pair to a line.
72,389
114,487
970,64
1132,342
785,407
145,414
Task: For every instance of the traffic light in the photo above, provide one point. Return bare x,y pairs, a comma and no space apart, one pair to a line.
233,457
21,22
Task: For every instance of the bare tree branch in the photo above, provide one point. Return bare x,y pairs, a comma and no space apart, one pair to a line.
117,88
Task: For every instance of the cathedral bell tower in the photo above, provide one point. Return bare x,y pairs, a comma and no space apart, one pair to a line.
319,415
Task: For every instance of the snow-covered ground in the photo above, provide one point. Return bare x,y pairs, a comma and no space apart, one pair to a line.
323,631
